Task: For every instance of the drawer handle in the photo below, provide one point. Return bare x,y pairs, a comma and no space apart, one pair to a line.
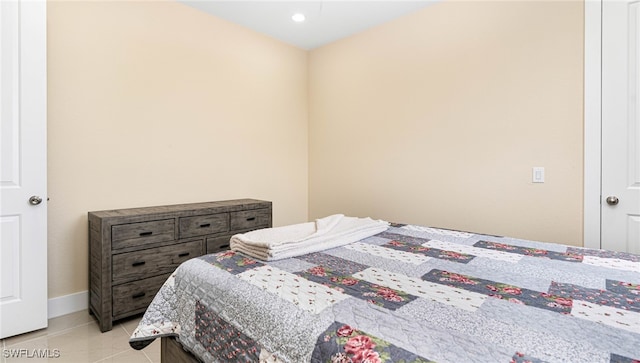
144,234
251,219
138,263
205,225
184,254
138,295
224,246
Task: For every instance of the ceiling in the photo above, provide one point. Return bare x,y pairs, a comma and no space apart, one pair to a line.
326,21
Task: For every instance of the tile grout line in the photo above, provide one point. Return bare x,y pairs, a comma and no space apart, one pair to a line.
143,352
52,334
125,329
105,359
148,358
129,334
47,335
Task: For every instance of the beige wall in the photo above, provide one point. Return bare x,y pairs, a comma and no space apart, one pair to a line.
436,118
439,117
155,103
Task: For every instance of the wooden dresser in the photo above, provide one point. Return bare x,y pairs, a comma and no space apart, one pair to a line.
133,251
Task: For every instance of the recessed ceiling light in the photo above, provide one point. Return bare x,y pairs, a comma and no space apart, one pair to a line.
298,18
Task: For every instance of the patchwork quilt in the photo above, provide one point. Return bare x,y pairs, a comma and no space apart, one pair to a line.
408,294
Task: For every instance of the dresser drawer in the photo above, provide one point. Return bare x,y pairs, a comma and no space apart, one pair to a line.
153,261
217,244
136,234
202,225
133,250
250,219
136,295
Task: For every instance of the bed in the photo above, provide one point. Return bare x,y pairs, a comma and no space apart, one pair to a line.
408,294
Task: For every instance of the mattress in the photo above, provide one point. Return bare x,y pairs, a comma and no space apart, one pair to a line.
408,294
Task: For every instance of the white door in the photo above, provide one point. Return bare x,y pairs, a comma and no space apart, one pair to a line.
621,125
23,165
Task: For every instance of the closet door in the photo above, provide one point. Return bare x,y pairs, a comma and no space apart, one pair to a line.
621,125
23,167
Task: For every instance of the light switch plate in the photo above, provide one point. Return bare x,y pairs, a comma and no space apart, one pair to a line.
538,175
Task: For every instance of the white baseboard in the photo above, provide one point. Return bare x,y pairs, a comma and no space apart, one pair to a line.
67,304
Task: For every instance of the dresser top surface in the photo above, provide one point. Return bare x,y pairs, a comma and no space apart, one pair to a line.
219,206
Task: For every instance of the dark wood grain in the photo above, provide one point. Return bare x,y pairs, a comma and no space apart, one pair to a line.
136,295
250,218
140,264
162,237
217,244
171,351
203,225
141,233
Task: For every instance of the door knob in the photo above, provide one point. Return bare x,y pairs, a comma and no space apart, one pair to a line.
612,200
35,200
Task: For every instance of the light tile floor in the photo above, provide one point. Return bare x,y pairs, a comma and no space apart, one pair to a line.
77,338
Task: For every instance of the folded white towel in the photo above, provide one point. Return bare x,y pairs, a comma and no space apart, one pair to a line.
294,240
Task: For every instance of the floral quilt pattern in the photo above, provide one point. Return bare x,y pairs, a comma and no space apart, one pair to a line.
221,338
620,298
232,261
523,358
531,251
410,294
428,251
603,254
375,294
510,293
341,343
620,359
